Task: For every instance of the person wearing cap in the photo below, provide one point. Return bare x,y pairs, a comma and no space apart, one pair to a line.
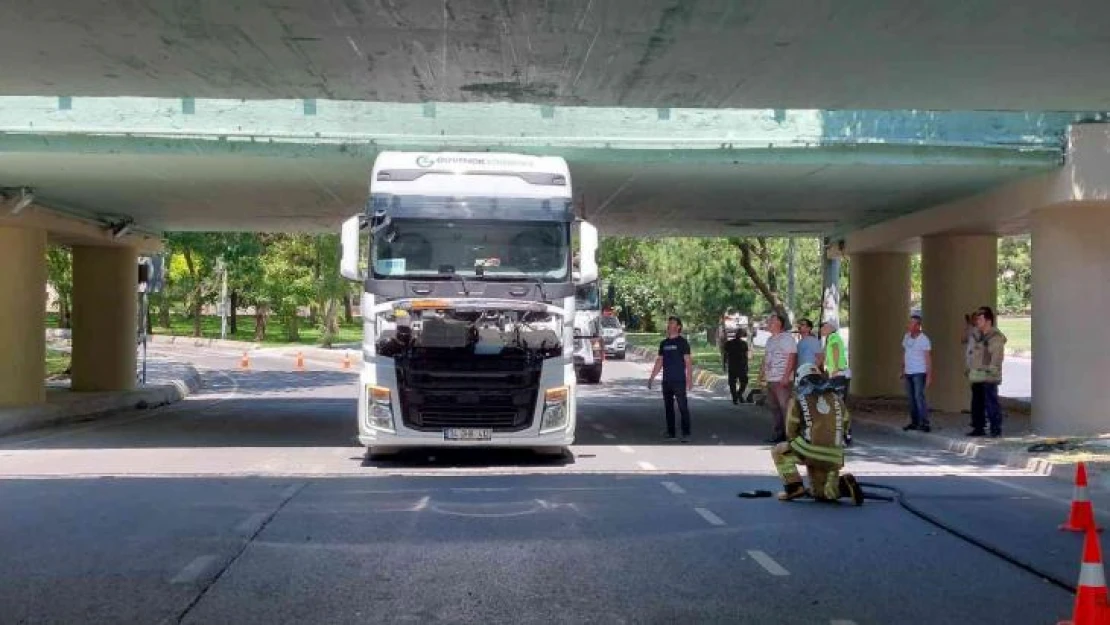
815,426
835,363
917,371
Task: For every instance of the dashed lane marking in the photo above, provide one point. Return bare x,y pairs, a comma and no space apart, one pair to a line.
598,427
768,563
193,571
609,435
709,516
646,466
674,488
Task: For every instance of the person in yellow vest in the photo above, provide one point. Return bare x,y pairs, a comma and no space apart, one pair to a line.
835,364
816,421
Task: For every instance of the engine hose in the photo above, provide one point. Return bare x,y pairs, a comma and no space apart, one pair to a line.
900,497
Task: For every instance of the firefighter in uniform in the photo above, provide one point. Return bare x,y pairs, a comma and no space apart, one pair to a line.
816,421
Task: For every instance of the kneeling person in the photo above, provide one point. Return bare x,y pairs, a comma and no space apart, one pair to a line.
816,421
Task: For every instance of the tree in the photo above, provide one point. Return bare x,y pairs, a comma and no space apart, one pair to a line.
59,272
1015,275
287,280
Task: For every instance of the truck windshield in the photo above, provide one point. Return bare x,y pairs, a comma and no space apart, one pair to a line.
586,297
482,249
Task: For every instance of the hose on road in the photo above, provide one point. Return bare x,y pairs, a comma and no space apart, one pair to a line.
900,497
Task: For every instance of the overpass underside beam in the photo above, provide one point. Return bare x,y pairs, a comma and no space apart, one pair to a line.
104,318
22,316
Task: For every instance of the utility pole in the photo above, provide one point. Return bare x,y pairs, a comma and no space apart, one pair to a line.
790,278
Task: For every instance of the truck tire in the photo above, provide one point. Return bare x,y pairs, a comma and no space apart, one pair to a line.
553,452
379,452
592,375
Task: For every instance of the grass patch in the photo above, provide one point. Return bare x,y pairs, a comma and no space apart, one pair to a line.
56,362
275,331
1019,333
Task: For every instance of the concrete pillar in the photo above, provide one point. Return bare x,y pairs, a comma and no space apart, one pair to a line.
22,316
959,273
1071,295
879,284
104,309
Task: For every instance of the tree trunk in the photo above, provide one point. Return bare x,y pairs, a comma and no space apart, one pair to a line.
293,327
259,323
64,316
766,287
331,323
233,322
195,305
164,311
348,309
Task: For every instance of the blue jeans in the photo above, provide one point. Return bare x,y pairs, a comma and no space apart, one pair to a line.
985,408
915,391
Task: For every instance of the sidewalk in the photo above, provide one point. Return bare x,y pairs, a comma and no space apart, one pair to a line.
168,381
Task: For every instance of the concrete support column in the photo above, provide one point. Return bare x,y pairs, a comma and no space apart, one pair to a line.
104,309
879,284
1071,295
959,273
22,316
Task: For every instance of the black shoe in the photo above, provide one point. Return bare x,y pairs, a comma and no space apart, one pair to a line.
926,428
686,438
912,426
735,401
850,488
977,433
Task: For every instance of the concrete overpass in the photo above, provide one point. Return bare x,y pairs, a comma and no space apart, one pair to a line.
892,129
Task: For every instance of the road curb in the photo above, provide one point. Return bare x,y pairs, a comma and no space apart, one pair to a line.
97,405
1015,459
202,342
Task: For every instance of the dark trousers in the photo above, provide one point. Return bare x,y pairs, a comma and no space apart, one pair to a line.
984,407
737,382
915,391
672,392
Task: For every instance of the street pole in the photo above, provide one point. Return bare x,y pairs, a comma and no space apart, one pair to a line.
223,300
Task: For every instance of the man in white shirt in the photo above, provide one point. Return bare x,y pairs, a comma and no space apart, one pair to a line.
780,359
917,371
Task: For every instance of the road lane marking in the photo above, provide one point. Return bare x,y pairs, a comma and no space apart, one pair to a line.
625,448
709,516
768,563
674,488
251,523
192,571
422,504
609,435
646,466
598,427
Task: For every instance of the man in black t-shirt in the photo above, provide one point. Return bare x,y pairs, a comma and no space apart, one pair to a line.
674,359
736,361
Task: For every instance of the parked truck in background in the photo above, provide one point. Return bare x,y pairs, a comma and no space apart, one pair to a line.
468,300
589,348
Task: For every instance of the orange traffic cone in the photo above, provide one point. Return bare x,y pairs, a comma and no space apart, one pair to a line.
245,362
300,361
1092,604
1082,515
346,360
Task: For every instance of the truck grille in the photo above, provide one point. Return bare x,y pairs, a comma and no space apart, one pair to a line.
496,392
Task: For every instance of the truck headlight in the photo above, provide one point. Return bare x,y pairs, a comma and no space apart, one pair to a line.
555,413
379,408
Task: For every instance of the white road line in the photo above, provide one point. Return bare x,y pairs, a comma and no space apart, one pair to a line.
626,449
609,435
598,427
764,560
251,523
709,516
674,488
646,466
192,571
422,504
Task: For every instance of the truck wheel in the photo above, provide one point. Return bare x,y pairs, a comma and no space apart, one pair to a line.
381,453
621,354
553,452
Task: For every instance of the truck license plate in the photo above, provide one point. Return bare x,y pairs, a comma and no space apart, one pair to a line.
467,434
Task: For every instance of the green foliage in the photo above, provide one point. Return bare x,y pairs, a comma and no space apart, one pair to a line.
59,273
1015,275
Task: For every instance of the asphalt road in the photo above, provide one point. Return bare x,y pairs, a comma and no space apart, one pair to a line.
252,503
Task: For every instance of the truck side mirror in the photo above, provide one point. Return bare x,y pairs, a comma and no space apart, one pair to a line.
587,245
349,243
